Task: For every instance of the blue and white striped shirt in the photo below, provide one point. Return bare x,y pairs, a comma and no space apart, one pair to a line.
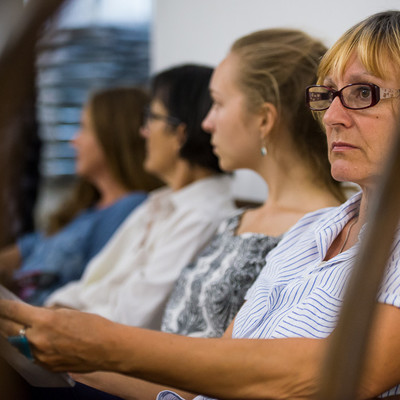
297,294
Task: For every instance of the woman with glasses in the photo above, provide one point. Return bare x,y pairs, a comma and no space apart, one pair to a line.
111,182
293,306
129,281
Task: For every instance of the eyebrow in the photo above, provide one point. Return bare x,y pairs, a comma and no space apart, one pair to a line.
355,78
213,92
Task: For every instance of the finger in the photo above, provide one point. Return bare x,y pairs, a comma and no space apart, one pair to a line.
18,312
9,328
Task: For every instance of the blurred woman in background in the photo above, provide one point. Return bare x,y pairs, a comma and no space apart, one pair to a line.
111,182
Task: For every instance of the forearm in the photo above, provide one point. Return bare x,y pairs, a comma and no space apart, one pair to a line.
131,388
123,386
284,368
67,340
381,369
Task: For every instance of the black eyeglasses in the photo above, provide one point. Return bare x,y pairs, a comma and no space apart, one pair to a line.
152,116
355,96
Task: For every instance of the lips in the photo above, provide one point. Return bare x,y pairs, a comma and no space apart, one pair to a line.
342,146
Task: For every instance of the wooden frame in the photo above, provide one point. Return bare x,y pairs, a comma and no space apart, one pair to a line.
341,375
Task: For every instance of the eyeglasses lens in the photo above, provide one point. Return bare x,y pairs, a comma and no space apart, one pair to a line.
356,97
319,98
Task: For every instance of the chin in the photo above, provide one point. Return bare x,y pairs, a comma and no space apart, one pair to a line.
226,166
151,169
342,171
341,177
147,166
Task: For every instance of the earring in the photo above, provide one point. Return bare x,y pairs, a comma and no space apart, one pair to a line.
263,151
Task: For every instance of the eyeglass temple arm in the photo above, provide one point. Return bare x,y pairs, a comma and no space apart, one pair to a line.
342,370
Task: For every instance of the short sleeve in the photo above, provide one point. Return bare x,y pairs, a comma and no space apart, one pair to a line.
26,244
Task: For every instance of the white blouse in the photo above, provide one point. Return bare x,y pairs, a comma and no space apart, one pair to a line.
130,279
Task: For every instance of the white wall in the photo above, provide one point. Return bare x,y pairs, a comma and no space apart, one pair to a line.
203,30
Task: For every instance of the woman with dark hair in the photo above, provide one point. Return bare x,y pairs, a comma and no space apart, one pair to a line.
130,280
111,182
175,88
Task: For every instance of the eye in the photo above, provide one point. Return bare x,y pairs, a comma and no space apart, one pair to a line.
364,92
215,104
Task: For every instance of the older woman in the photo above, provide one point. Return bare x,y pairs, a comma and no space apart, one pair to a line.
294,304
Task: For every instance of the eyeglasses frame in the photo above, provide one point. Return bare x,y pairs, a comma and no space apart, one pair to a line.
150,115
377,92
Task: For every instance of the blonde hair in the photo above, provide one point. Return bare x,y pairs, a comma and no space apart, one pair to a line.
275,66
375,40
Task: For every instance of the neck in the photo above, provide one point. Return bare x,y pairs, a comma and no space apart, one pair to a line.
185,174
292,185
110,191
367,194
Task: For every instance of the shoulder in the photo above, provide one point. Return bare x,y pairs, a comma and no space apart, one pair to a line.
129,201
209,198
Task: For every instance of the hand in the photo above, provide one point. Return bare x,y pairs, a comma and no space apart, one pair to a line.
62,339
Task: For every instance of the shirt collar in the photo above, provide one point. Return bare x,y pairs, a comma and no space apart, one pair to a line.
197,194
335,221
216,188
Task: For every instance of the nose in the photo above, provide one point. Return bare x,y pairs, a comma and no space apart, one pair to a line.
207,123
145,131
74,140
336,114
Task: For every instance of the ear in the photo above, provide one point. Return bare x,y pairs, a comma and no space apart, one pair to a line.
268,119
180,134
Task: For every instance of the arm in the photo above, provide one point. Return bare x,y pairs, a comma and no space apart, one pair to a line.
123,386
130,388
382,361
229,368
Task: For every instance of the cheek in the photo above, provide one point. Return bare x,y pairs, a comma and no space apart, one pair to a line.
224,119
151,142
160,149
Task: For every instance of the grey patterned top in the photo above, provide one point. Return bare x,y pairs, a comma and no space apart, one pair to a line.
210,291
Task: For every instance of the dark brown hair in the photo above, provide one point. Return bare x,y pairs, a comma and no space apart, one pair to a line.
183,91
